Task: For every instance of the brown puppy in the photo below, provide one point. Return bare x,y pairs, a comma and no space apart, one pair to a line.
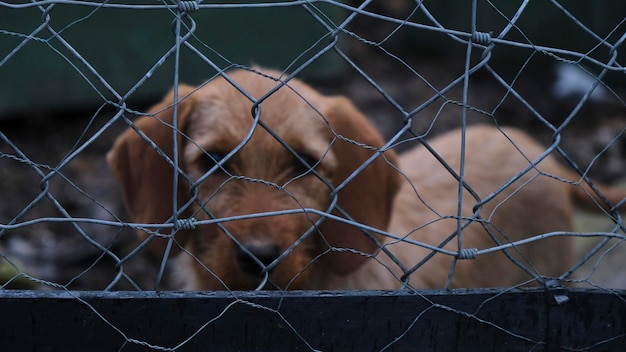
234,165
234,162
426,211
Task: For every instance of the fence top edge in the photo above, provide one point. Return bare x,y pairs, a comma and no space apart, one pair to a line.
87,295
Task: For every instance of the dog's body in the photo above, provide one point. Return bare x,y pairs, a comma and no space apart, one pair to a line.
426,210
329,134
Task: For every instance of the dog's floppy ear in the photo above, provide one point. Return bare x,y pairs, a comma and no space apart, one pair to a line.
368,197
147,178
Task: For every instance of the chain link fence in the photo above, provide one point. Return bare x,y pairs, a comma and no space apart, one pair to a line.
499,166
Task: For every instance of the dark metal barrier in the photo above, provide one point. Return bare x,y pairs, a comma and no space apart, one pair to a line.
460,320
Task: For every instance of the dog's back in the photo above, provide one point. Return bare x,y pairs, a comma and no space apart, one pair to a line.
427,209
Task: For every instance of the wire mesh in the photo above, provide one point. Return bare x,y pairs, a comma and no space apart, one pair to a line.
269,198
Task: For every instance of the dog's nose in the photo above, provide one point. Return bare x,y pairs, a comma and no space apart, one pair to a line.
266,253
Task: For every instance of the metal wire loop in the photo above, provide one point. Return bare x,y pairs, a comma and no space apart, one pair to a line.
483,38
187,6
468,253
185,224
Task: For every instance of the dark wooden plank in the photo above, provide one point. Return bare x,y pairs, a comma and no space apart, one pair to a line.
464,320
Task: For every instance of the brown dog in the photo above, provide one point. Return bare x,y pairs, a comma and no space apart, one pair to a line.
262,175
258,178
426,210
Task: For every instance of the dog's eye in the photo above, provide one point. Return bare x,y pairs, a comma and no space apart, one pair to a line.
210,159
303,164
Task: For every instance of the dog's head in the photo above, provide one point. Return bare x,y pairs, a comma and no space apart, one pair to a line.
260,162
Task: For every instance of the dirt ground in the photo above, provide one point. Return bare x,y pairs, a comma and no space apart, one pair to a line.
61,254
